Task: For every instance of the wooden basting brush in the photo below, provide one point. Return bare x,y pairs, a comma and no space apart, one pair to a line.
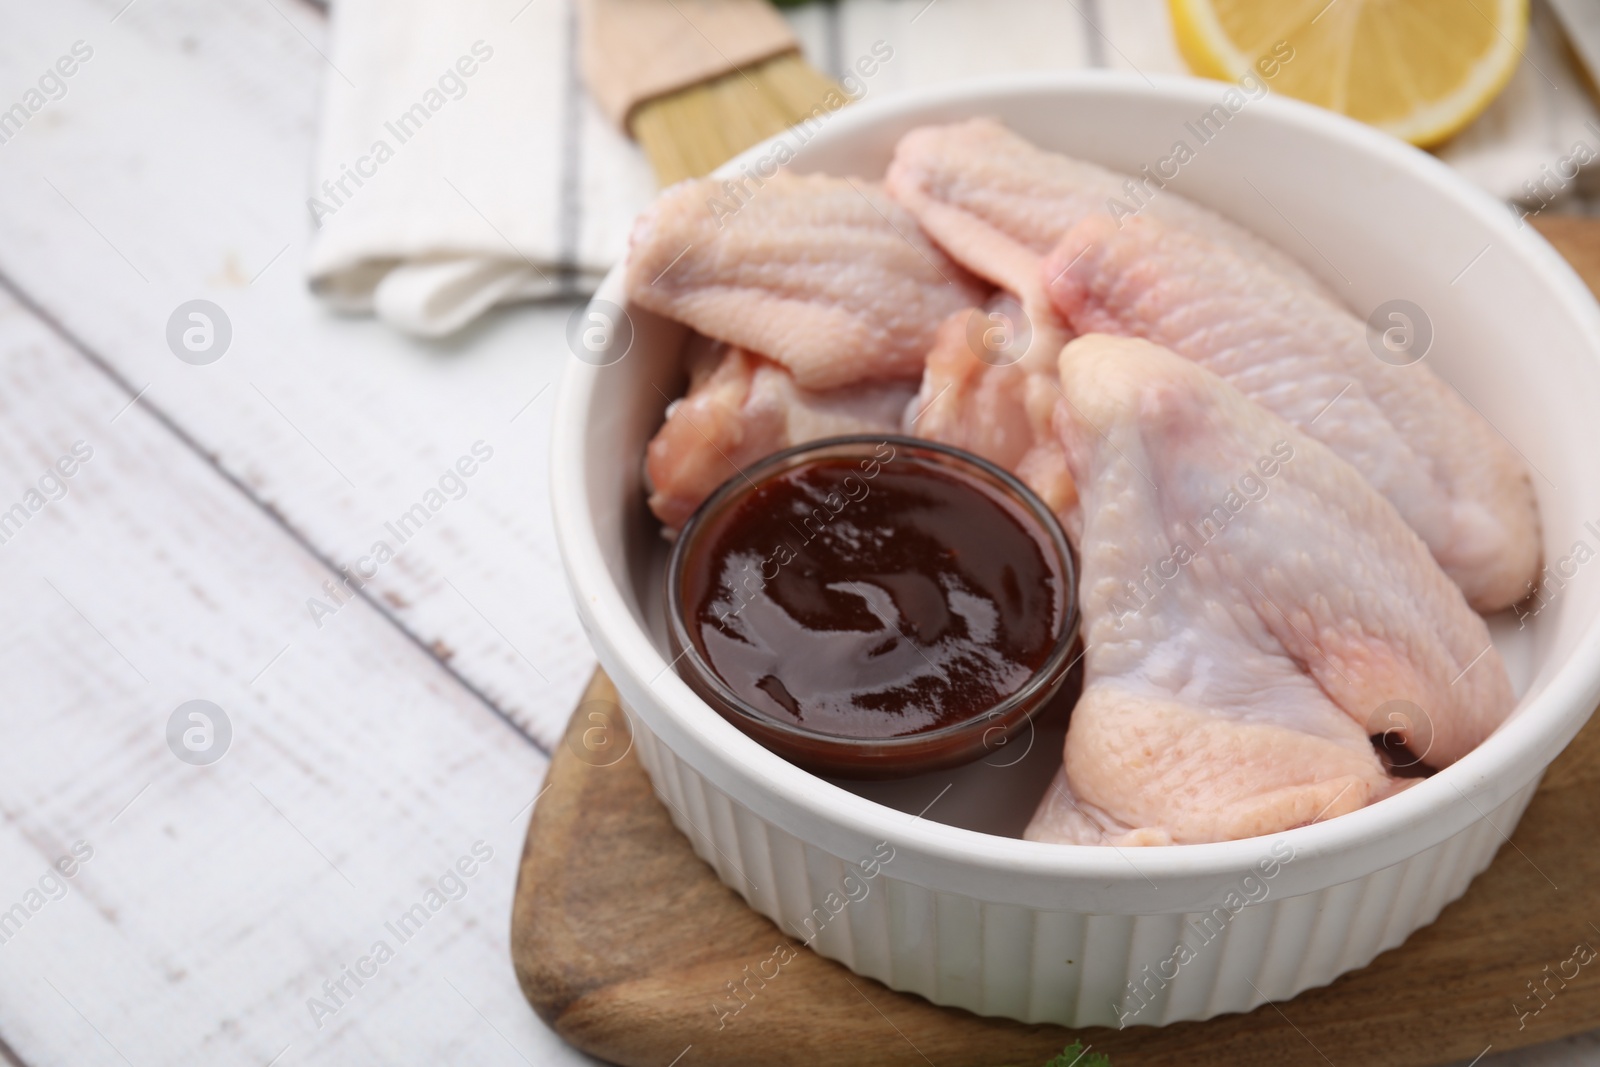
696,82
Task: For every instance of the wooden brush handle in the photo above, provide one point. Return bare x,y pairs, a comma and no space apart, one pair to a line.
636,50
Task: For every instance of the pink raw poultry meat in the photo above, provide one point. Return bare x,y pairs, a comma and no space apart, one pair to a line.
1450,474
980,402
741,408
998,410
1252,609
999,203
826,276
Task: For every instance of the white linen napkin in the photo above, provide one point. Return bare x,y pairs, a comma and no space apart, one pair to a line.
439,193
460,164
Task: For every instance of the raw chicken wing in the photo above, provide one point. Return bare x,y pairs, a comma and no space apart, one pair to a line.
998,203
1252,611
995,405
741,408
1462,488
826,276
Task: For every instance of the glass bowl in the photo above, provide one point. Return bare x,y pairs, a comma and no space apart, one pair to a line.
839,755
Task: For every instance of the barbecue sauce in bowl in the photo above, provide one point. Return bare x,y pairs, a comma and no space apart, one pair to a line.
873,607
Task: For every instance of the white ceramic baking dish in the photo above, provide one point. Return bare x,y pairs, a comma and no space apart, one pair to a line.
1083,935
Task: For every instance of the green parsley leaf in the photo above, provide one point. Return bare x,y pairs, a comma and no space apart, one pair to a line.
1073,1056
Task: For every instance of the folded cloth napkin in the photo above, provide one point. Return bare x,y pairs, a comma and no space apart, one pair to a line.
462,165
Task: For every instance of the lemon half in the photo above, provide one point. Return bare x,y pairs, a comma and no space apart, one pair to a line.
1420,69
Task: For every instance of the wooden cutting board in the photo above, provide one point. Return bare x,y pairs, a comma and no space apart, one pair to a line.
623,940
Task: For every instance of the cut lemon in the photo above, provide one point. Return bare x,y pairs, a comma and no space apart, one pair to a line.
1420,69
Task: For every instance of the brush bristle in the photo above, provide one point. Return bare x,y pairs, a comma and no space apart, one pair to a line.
690,133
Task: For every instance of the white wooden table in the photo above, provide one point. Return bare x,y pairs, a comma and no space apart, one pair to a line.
373,749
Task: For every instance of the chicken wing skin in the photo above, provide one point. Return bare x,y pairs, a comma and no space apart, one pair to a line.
1000,410
1458,483
741,408
1252,609
827,276
998,203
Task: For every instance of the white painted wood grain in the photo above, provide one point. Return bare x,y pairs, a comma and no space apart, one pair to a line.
176,167
219,898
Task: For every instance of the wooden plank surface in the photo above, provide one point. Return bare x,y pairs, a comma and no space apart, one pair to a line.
642,984
176,167
219,898
369,753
